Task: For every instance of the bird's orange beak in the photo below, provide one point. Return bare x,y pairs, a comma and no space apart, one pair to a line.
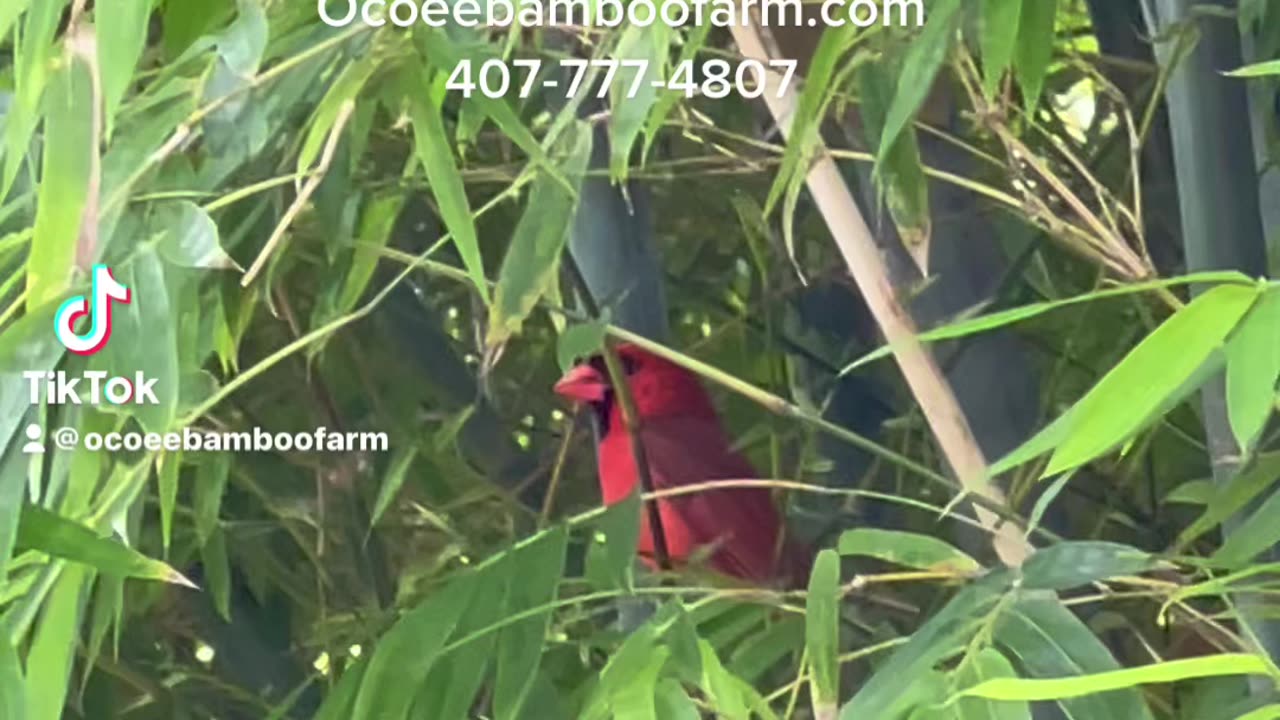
583,384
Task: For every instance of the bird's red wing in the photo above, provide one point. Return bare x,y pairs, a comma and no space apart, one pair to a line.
740,524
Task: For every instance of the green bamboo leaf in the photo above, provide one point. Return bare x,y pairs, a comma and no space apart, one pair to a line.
913,550
631,111
1035,47
191,239
1048,641
1262,69
64,181
533,258
759,652
919,69
407,652
1192,492
122,36
210,483
1228,499
54,535
1270,712
9,13
900,178
450,690
345,87
13,693
535,576
108,613
53,647
435,152
999,38
393,480
1002,318
580,341
31,66
145,339
167,466
1220,585
1252,537
803,137
730,697
1151,376
342,698
1071,564
673,702
890,692
694,41
1253,365
217,571
1028,689
376,225
635,663
822,632
611,555
988,664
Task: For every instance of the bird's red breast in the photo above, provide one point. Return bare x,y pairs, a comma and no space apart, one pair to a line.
739,528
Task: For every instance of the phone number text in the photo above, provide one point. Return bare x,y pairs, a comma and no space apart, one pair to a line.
714,78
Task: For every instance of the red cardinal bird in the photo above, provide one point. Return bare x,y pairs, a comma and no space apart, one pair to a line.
685,444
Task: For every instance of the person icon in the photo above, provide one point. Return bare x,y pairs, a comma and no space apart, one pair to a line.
33,446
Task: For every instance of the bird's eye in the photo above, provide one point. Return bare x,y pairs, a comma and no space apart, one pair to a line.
629,365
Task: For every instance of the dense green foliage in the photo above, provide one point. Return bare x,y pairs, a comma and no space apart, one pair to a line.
318,234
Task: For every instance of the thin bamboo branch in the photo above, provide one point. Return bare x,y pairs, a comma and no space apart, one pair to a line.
853,238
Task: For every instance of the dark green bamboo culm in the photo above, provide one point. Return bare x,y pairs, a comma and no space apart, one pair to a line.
1218,196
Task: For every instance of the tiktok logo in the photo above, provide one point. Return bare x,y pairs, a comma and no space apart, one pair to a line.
104,291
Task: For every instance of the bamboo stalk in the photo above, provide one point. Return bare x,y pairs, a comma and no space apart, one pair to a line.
853,238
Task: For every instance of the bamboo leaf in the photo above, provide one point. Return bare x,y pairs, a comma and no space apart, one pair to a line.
1253,365
919,69
988,664
536,573
435,152
1003,318
1034,689
53,647
122,36
1262,69
1048,641
1150,377
407,652
52,534
1035,47
393,481
999,38
631,111
822,632
533,258
1252,537
913,550
65,181
1071,564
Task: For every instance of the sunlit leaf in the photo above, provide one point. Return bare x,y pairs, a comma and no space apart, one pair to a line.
1253,365
1031,689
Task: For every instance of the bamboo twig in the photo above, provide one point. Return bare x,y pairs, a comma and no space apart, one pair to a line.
853,238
